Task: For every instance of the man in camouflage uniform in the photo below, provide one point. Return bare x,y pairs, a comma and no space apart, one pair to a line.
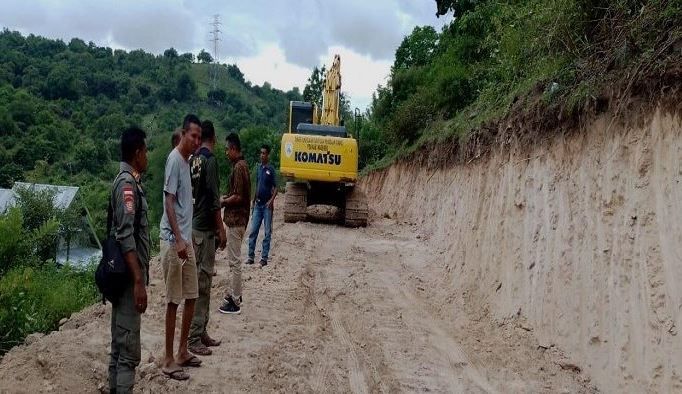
131,229
206,224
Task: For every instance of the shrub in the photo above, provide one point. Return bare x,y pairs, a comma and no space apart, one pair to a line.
410,118
14,248
34,300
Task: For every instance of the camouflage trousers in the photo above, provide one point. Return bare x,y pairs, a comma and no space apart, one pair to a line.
204,248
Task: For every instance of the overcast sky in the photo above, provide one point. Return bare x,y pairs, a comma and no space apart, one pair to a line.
278,41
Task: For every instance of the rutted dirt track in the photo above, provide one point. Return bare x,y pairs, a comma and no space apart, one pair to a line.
338,310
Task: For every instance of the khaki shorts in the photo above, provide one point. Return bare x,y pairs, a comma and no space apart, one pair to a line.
180,277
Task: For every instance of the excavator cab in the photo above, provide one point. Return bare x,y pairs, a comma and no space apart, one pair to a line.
304,119
300,112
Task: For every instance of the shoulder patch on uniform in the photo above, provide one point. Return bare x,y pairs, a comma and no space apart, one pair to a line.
128,199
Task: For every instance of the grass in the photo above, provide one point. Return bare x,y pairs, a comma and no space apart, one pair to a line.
36,299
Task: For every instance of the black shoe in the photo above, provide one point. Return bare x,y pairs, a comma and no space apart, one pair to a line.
229,299
263,263
230,308
249,261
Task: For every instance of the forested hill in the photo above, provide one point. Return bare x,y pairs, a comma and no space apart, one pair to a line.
63,106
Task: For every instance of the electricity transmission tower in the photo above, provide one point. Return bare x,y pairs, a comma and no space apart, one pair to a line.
215,38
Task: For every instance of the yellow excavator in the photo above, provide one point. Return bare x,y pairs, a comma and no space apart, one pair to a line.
319,158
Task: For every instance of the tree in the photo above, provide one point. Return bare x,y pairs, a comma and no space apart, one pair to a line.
90,157
6,73
416,49
61,83
373,146
253,137
39,220
109,126
23,109
7,125
235,73
294,94
37,206
170,54
187,57
458,7
109,84
204,57
186,87
217,97
32,79
10,173
77,45
315,86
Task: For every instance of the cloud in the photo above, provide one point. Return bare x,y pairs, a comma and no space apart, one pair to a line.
372,28
275,41
270,65
130,24
154,29
302,46
360,74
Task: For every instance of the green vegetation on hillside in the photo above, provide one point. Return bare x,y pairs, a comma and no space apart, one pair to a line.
62,107
498,57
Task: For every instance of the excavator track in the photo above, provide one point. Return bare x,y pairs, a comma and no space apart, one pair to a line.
357,210
295,202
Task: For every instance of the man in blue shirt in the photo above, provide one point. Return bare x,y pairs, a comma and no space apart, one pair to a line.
263,206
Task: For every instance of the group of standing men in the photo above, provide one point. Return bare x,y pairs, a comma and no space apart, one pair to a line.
192,229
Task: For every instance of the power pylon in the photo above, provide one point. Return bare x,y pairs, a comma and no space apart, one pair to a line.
215,38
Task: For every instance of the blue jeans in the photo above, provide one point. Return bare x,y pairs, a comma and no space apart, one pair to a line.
261,213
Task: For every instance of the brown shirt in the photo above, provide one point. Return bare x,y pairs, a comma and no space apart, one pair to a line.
240,183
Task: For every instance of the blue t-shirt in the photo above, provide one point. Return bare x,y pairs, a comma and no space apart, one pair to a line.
265,181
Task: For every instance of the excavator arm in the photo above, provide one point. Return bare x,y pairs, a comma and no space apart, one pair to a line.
331,95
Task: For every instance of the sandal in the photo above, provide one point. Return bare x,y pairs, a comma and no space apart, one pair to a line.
177,374
193,361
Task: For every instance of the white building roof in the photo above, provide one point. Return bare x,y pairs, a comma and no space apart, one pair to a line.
64,195
7,199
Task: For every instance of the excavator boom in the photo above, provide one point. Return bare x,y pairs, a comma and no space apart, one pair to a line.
331,94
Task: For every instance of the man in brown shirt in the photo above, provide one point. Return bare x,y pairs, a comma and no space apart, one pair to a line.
237,205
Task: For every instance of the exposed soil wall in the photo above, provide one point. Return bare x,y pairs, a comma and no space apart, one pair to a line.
581,236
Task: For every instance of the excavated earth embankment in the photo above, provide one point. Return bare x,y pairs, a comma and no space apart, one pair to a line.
579,236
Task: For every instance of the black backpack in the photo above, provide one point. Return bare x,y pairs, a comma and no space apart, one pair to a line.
112,274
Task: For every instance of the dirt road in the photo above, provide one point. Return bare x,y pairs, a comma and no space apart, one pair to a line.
338,310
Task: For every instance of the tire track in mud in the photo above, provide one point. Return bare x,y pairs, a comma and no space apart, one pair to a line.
340,298
450,369
460,370
315,322
356,375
